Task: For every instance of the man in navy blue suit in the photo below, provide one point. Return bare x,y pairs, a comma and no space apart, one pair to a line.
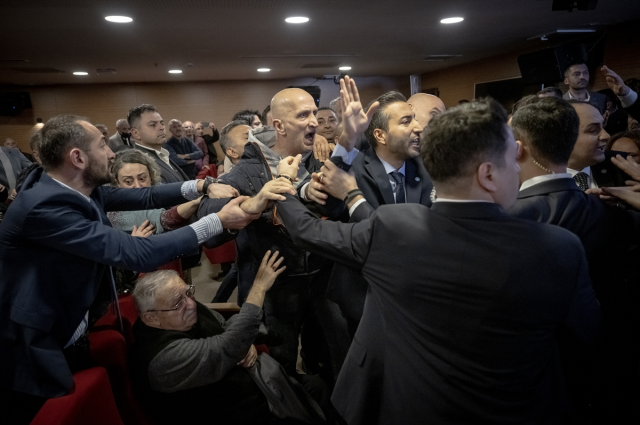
57,248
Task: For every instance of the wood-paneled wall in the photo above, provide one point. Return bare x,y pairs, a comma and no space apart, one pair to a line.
215,101
622,45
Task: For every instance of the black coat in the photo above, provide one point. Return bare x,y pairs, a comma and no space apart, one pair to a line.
469,316
168,173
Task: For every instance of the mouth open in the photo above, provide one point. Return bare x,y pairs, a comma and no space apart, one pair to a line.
415,143
310,137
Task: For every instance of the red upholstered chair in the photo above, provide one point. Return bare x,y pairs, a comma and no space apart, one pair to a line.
110,320
89,402
225,253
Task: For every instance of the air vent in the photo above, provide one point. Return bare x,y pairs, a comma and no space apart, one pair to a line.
105,71
319,65
440,58
38,70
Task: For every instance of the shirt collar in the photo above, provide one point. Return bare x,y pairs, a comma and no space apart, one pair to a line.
539,179
161,152
390,168
69,187
586,170
586,100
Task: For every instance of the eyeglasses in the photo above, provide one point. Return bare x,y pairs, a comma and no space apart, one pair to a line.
189,293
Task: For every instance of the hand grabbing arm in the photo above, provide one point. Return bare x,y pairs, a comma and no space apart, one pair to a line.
270,193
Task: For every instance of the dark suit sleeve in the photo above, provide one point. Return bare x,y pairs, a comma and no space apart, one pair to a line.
174,156
634,110
159,196
345,243
196,153
362,212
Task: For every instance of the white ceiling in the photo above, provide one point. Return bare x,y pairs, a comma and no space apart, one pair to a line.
230,39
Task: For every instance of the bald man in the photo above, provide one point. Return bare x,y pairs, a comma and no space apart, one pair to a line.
122,136
293,295
426,107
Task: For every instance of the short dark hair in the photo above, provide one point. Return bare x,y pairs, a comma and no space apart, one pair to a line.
550,126
263,118
459,140
634,135
523,102
566,70
133,117
59,135
380,119
34,141
551,90
225,143
247,115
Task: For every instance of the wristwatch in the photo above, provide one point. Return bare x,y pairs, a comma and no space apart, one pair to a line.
208,181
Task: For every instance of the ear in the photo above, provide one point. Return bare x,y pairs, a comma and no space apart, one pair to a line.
232,153
135,135
78,158
150,319
279,126
566,81
521,151
485,177
380,136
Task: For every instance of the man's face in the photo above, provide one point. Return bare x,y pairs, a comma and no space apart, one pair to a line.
198,130
189,130
104,130
133,175
300,122
239,135
176,129
172,294
100,156
123,127
592,138
506,178
327,123
10,143
150,130
256,123
403,137
577,77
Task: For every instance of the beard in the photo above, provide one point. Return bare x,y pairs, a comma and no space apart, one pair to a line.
401,147
95,174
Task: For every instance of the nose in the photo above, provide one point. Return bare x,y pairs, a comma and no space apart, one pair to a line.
417,128
137,184
604,135
110,154
314,121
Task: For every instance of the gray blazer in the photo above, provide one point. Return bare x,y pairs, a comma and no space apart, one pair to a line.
115,141
18,162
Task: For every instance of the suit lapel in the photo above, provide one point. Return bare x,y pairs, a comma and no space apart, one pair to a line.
376,170
412,183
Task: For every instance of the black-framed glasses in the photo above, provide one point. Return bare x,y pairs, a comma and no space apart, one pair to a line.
189,293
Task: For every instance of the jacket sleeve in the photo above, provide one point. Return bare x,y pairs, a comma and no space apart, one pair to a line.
174,156
159,196
634,110
190,363
196,153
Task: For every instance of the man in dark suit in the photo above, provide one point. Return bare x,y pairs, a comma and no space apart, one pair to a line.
469,316
388,173
576,76
57,248
148,132
182,150
547,131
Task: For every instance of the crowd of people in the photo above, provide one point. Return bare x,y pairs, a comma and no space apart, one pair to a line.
424,265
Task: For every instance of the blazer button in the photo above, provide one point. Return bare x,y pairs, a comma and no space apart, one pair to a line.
417,179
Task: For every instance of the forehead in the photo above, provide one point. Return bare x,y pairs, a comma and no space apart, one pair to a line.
173,289
397,110
326,113
187,124
150,116
587,114
626,142
132,169
578,68
92,131
176,123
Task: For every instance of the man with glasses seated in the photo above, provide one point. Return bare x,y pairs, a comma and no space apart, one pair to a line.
190,363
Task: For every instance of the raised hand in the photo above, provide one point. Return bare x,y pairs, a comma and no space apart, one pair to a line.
614,82
268,271
628,165
321,150
354,119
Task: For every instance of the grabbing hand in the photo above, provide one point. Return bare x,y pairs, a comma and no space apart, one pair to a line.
234,217
145,230
289,166
220,190
630,195
250,359
315,190
270,193
321,149
628,165
336,182
268,271
614,82
354,120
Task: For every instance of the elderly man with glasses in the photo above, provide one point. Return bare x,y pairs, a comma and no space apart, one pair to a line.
190,363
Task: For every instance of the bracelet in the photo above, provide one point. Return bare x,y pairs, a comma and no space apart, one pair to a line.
352,195
285,176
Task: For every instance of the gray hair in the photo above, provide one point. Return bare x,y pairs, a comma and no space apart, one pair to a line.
121,121
144,294
174,120
133,156
225,141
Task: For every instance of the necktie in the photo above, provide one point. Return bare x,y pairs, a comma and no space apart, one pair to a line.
399,189
582,180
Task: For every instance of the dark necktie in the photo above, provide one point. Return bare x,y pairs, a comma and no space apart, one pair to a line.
582,180
399,190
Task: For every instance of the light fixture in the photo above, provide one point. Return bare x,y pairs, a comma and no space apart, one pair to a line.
118,19
451,20
297,20
264,69
345,68
175,71
80,73
578,30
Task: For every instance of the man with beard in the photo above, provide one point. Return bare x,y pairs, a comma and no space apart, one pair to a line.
576,76
57,248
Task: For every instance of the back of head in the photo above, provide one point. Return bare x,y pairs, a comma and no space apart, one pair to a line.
59,135
247,115
135,113
263,117
458,141
527,100
34,141
550,92
380,119
549,127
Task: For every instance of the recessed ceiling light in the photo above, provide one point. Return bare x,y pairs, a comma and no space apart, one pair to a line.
118,19
451,20
297,20
80,73
264,69
175,71
344,68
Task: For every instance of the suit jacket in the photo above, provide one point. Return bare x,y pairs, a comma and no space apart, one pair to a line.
170,173
469,314
55,250
606,174
184,146
18,162
634,110
346,287
598,100
115,142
